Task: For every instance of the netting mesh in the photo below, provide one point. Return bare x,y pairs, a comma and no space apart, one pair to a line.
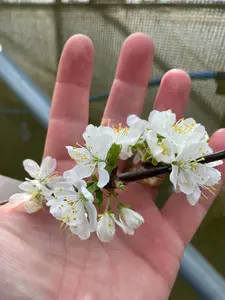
185,37
188,34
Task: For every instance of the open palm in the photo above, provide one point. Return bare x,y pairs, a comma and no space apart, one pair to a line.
38,260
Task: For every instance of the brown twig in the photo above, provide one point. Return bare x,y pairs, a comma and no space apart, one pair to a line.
146,171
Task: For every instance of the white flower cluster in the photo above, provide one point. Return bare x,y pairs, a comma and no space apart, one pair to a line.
159,141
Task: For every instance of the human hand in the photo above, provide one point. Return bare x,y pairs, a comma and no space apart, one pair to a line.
39,261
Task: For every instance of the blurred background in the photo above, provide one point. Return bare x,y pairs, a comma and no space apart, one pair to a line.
188,34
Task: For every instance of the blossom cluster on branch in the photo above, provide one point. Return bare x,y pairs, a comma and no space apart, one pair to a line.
78,196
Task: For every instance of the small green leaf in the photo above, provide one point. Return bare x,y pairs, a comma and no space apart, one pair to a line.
89,183
94,177
112,157
99,198
154,162
160,137
93,188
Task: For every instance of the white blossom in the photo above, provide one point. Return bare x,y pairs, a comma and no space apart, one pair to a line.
126,138
187,131
138,125
161,149
73,204
161,121
71,200
37,190
93,155
106,227
131,218
189,175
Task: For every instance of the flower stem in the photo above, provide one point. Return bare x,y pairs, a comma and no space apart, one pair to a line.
146,171
108,206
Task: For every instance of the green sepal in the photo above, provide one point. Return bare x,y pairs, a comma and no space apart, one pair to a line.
113,157
99,198
93,187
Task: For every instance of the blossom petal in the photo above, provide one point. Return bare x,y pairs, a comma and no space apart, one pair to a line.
19,198
82,230
48,166
161,121
214,163
194,197
63,187
103,175
131,218
92,215
31,167
60,209
27,186
107,130
106,228
126,229
100,145
214,176
80,155
193,151
90,130
152,139
73,177
188,131
174,175
132,120
84,171
72,220
46,191
87,194
185,182
32,206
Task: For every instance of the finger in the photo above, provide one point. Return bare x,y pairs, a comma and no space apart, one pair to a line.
184,217
173,92
70,104
131,80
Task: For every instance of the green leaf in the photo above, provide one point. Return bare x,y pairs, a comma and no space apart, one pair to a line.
112,157
160,137
94,177
154,162
93,188
99,198
89,183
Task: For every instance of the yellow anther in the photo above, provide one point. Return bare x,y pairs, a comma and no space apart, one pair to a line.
213,189
62,224
165,149
185,182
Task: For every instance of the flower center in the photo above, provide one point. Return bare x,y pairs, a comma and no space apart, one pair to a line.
165,150
183,128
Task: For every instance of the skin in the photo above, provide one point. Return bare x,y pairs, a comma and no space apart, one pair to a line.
38,260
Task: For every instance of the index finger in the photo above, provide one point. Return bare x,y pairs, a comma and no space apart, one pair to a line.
70,104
